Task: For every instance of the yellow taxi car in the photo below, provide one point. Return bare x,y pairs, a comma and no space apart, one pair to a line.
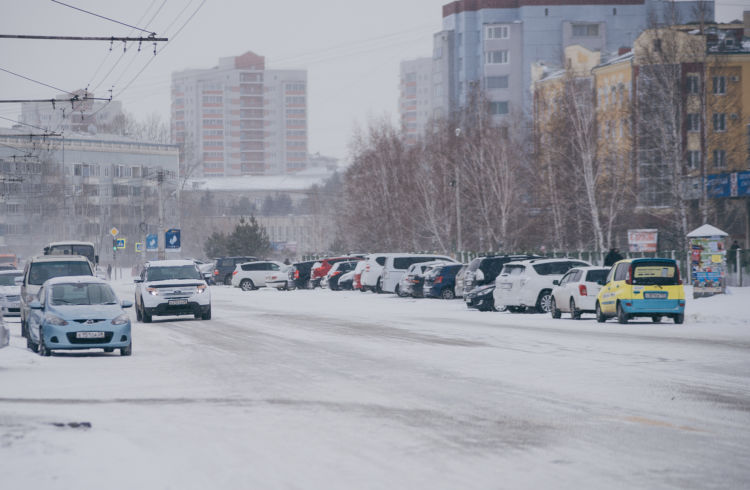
642,288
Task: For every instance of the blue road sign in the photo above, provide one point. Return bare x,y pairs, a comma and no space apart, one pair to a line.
152,243
120,243
172,239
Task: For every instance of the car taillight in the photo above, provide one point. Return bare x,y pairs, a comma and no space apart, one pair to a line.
582,289
336,273
234,272
216,272
629,278
296,274
438,280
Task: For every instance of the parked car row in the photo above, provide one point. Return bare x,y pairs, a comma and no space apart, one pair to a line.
516,283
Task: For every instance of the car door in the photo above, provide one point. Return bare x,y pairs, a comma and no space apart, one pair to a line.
561,292
612,290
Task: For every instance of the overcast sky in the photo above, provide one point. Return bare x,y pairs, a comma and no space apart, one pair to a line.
350,48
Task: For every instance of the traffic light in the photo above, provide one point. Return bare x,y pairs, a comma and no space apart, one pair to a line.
114,244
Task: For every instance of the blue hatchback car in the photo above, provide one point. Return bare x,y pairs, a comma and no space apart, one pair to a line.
78,312
441,281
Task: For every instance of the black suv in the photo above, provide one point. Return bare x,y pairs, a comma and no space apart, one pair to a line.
224,266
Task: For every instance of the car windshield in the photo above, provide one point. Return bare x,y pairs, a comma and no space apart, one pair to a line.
41,271
651,273
166,273
83,294
9,279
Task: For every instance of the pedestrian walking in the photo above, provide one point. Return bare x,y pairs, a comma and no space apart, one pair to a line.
612,256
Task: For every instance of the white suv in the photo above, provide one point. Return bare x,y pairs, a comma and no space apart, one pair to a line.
372,272
252,275
171,287
528,283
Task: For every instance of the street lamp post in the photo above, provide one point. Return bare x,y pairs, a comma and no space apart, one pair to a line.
459,245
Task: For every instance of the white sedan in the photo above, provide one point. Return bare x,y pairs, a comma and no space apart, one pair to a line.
576,291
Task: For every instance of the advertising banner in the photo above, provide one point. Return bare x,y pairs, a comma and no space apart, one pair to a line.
708,265
644,240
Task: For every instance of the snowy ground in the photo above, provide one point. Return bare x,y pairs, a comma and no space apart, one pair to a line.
345,390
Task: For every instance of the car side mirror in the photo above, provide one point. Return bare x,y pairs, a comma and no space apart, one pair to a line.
602,282
139,280
126,303
556,282
35,305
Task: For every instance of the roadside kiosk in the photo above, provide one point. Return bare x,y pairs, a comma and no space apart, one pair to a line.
707,257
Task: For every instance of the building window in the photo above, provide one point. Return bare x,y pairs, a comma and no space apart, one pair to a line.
693,122
498,108
720,158
497,32
720,122
719,85
496,82
693,159
496,57
691,83
585,30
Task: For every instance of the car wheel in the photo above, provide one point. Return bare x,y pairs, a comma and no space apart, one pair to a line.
126,351
679,318
599,315
247,285
207,315
31,345
146,316
556,313
379,286
544,302
447,293
575,313
622,317
43,350
138,315
228,280
656,319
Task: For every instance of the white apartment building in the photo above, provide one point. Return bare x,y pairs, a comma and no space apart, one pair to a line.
240,119
416,93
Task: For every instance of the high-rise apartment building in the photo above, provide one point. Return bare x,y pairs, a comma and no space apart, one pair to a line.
415,102
491,44
239,118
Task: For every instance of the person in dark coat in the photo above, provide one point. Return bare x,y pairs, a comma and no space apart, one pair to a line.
612,256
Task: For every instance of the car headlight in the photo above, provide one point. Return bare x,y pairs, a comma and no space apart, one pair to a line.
200,289
54,320
121,319
152,291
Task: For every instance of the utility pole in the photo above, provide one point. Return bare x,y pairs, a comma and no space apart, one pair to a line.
459,245
159,184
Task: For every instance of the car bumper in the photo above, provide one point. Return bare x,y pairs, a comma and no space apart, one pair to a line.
190,308
11,309
280,284
65,337
653,306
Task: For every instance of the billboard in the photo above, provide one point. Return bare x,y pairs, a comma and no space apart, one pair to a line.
643,240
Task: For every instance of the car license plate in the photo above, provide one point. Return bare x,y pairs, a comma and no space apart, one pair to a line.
177,302
656,295
89,335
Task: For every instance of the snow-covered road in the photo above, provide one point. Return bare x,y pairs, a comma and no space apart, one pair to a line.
317,389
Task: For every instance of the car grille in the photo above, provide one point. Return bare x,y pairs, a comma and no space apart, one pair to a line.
89,321
12,299
73,340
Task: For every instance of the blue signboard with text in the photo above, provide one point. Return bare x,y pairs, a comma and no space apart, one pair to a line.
152,243
172,240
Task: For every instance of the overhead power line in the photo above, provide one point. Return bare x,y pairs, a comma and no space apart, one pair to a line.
148,39
103,17
36,81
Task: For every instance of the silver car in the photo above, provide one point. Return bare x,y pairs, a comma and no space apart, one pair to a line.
10,292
